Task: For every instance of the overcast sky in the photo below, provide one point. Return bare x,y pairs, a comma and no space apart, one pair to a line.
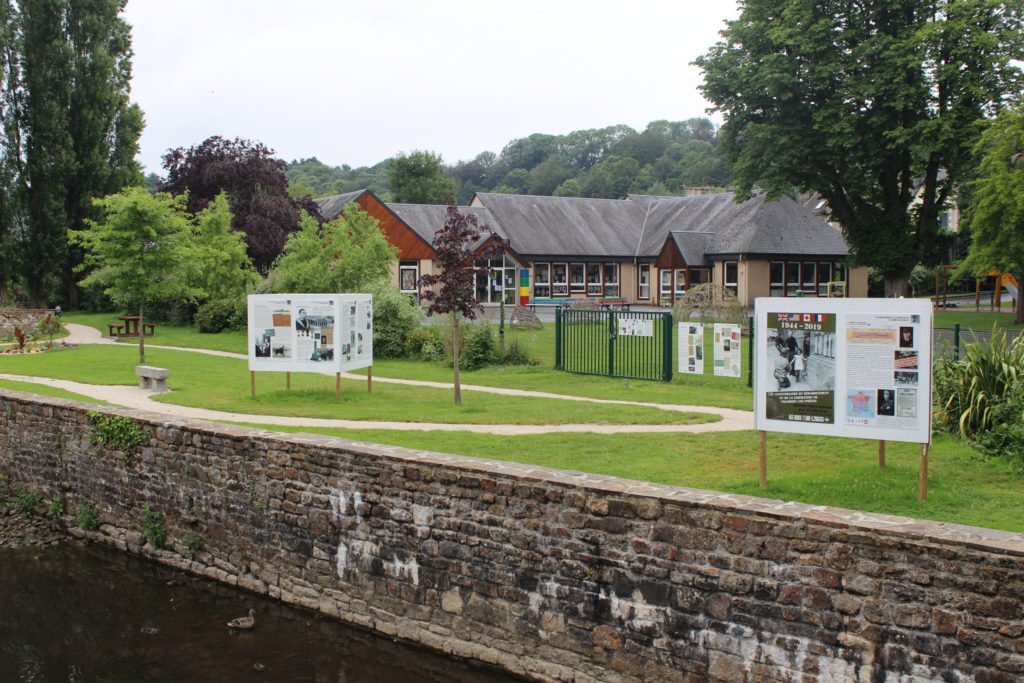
355,83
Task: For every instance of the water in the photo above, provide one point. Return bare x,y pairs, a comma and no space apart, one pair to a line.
83,614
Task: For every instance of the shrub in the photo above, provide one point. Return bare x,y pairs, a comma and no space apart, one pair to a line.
153,528
515,353
222,314
479,349
395,317
173,311
55,509
86,517
27,501
194,542
1005,438
422,342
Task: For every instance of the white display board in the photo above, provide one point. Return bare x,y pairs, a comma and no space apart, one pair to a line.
324,333
858,368
727,350
691,348
635,326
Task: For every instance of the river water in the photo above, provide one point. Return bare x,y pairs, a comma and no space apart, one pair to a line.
83,614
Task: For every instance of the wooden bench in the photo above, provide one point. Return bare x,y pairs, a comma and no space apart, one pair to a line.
153,378
614,303
115,330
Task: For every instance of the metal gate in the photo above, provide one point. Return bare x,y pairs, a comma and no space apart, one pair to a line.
614,343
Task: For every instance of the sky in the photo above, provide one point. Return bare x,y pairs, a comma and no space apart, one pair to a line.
356,83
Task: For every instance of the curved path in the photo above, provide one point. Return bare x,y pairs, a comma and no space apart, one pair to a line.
135,397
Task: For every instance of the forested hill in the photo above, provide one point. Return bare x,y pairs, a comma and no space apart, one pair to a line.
609,162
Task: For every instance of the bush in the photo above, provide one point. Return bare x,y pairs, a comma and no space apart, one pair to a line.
424,343
153,527
1005,438
175,311
515,354
86,517
222,314
480,349
395,317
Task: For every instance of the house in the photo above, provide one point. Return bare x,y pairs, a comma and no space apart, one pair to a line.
644,249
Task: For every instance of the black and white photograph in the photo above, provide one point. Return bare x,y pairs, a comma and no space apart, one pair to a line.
906,337
905,377
262,347
801,360
887,402
906,402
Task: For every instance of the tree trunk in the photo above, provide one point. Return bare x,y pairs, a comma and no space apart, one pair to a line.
1019,310
142,337
455,357
897,286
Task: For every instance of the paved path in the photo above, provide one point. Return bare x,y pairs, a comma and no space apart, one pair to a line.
134,397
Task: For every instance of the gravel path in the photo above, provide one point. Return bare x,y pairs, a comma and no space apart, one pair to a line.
134,397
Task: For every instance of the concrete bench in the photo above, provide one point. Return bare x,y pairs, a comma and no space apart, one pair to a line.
152,378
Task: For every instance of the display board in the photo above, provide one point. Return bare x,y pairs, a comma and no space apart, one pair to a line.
323,333
691,348
859,368
727,350
630,326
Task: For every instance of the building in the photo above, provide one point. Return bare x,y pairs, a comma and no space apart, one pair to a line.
643,249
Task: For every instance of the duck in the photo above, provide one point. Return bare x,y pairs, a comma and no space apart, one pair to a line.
244,623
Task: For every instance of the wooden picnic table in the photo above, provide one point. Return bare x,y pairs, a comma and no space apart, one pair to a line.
129,327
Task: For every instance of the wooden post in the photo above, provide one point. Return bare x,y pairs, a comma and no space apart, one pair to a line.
881,454
252,383
288,381
922,476
763,465
337,386
369,380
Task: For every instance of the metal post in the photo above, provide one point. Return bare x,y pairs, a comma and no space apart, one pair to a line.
558,338
611,344
666,366
956,341
750,353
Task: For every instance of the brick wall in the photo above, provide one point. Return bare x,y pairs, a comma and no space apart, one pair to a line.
554,575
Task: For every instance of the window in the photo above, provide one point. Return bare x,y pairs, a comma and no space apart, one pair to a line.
577,281
611,279
778,284
559,279
542,279
810,286
408,275
824,277
731,275
643,281
680,277
665,292
594,279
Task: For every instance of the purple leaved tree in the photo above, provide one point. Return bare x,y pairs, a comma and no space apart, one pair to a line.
455,294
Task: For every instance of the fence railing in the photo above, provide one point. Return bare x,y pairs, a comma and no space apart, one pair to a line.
949,342
630,345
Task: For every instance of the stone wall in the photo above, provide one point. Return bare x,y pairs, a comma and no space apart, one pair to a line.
25,318
554,575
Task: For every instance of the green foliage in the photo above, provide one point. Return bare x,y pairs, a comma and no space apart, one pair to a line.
480,348
222,314
424,343
345,255
875,109
55,508
516,353
214,263
194,542
117,432
969,392
419,178
27,501
327,180
154,529
86,517
395,316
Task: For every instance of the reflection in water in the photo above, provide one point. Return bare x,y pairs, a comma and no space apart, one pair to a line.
91,614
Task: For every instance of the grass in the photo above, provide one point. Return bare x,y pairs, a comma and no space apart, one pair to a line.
963,488
44,390
218,383
981,321
167,335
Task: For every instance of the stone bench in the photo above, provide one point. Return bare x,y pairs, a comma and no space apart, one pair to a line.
152,378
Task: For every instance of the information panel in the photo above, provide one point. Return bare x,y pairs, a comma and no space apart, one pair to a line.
323,333
844,367
691,348
727,350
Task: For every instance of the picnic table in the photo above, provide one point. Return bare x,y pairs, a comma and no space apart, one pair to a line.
129,327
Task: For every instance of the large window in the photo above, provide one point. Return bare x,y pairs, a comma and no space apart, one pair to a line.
731,275
577,278
408,276
810,279
665,290
680,279
611,279
559,279
807,277
643,289
824,277
594,287
542,279
778,282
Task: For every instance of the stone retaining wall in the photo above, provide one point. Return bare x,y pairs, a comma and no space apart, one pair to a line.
25,318
554,575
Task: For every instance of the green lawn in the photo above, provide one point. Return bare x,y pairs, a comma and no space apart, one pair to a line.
167,335
46,391
976,320
220,383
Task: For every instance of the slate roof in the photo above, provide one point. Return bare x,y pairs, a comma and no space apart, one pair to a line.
693,246
426,219
566,226
331,207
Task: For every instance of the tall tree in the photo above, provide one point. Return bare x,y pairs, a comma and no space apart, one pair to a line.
875,105
419,178
133,250
256,186
455,295
214,263
996,213
8,155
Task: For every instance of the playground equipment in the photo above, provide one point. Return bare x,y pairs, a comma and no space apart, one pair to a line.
1002,281
942,274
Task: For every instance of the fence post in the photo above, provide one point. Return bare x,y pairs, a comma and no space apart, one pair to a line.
558,338
956,341
666,335
750,353
611,343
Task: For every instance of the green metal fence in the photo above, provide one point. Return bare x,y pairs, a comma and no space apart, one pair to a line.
614,344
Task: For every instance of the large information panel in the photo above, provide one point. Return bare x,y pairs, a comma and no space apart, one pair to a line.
324,333
844,367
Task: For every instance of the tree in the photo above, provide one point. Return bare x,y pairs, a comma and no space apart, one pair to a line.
214,262
256,186
874,105
419,178
345,255
133,250
996,213
455,295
